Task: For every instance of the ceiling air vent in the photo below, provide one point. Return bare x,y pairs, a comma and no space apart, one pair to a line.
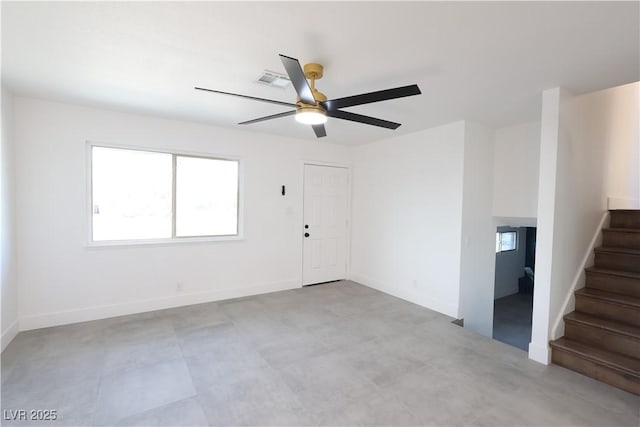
270,78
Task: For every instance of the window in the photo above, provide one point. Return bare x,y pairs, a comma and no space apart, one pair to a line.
506,241
206,197
145,195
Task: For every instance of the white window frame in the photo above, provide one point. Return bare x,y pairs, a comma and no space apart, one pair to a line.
170,240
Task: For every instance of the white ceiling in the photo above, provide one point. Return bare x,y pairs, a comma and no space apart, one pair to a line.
481,61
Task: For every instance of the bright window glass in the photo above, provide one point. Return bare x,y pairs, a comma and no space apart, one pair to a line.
506,241
131,194
206,197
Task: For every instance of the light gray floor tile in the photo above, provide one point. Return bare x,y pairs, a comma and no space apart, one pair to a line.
340,335
557,382
244,308
325,295
334,354
131,355
347,306
368,326
534,407
262,331
371,409
54,342
49,375
406,315
291,349
438,398
196,342
481,368
183,413
253,397
382,362
419,345
351,288
138,329
276,301
326,378
228,360
130,392
305,317
195,316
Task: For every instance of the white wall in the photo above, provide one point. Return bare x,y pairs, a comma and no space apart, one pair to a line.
62,280
612,117
516,164
580,167
9,317
510,265
477,255
406,206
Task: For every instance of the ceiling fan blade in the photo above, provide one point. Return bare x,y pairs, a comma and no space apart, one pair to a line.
296,75
319,130
367,98
273,116
367,120
272,101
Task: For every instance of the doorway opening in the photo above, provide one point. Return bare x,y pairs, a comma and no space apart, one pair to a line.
514,284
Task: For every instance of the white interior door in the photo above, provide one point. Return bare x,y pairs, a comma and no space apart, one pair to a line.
325,224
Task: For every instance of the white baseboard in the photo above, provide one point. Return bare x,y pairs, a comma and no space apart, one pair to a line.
9,334
622,203
407,295
540,353
113,310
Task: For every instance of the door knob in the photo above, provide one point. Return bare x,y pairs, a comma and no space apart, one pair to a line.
306,234
306,226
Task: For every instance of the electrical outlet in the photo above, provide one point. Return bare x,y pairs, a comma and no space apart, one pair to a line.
414,283
179,287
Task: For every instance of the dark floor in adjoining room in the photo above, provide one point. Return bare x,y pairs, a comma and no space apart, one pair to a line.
340,354
512,320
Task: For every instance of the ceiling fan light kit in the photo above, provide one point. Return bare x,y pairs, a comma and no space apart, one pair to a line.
311,115
313,107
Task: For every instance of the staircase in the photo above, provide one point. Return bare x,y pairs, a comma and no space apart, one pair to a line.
602,335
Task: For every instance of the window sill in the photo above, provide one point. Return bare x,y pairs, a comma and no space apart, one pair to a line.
162,242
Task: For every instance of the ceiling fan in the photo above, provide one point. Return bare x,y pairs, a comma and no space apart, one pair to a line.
313,107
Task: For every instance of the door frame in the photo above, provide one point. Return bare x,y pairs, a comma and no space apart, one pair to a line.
346,166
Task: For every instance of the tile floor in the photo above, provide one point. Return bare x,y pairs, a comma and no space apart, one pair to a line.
512,320
334,354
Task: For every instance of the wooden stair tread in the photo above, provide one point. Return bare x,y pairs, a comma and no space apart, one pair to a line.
617,250
626,211
628,365
609,325
623,230
623,273
610,297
